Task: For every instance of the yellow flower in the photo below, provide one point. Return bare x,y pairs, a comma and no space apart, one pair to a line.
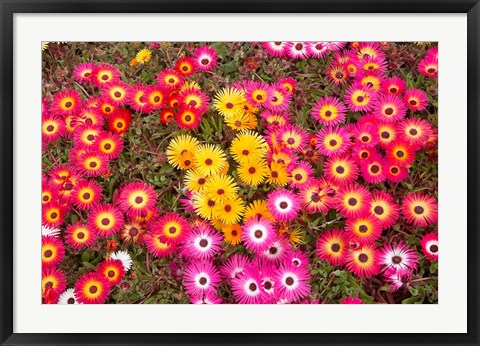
229,211
220,187
229,102
143,56
258,208
209,159
253,171
248,144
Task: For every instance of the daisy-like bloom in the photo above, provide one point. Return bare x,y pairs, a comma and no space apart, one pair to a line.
53,214
415,99
112,270
276,119
203,205
283,157
137,97
82,73
92,164
373,170
415,131
117,93
229,102
329,111
53,251
371,66
65,103
317,50
301,174
68,297
340,170
287,85
247,287
201,278
258,208
105,107
428,66
293,137
369,49
209,159
92,288
105,220
365,135
220,187
398,278
278,174
86,194
389,107
194,98
105,74
275,49
232,234
143,56
241,122
420,209
314,198
49,193
332,141
166,116
155,98
351,300
205,58
203,242
332,246
123,257
283,204
387,133
337,74
53,283
296,50
397,256
371,81
258,234
185,66
178,147
353,200
132,232
248,144
79,235
279,101
394,172
429,245
363,261
278,251
136,198
119,121
384,208
170,79
109,144
360,98
293,282
194,180
50,231
53,127
364,229
84,136
173,227
229,211
253,170
258,93
234,265
400,153
394,86
157,245
205,298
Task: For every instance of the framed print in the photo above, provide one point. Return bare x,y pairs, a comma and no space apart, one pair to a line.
194,172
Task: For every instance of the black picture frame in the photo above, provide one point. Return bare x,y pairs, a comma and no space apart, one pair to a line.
9,7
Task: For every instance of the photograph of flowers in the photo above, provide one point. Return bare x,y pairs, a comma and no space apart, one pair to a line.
239,173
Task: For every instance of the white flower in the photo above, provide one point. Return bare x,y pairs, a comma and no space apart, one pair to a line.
68,297
50,231
124,257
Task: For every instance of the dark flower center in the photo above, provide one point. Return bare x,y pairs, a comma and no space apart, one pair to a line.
252,287
360,98
393,90
107,146
378,210
203,243
291,141
205,61
352,201
208,162
211,203
117,94
68,104
90,137
258,234
274,174
328,114
202,281
105,221
93,289
268,285
220,191
93,164
385,135
364,155
71,301
289,281
133,232
298,176
53,215
119,125
413,132
188,117
48,253
299,46
105,77
397,259
418,210
335,247
315,198
229,105
363,229
228,208
251,170
340,170
50,128
138,199
172,230
363,258
365,139
434,248
111,273
413,102
283,205
375,169
332,142
201,181
156,99
80,235
273,250
400,154
389,111
394,170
